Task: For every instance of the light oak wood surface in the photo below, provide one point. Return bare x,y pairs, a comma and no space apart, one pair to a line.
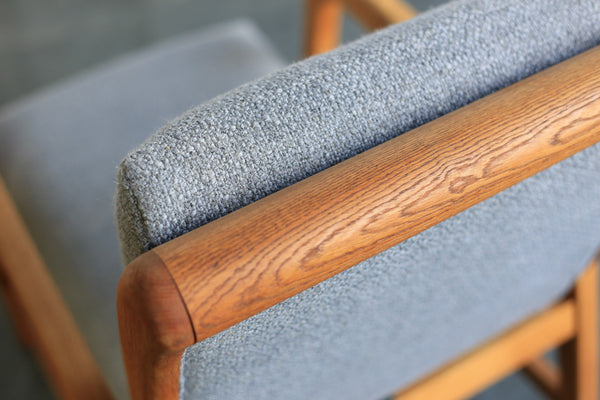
43,319
239,265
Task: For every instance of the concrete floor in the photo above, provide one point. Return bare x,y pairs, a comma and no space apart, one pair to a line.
42,42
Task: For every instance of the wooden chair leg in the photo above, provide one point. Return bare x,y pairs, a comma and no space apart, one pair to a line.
43,321
324,20
579,356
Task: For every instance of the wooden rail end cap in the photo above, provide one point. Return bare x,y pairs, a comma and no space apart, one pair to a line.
154,326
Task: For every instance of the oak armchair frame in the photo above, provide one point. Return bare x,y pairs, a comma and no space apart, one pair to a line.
326,224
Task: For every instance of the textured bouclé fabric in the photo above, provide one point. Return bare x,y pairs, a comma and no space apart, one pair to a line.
275,131
398,315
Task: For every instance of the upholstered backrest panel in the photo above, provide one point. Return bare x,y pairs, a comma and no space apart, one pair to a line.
392,318
397,316
275,131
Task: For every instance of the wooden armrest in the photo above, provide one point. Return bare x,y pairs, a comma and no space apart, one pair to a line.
262,254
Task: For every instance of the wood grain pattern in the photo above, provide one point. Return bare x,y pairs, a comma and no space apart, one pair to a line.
155,329
579,357
377,14
43,319
323,25
497,358
262,254
546,376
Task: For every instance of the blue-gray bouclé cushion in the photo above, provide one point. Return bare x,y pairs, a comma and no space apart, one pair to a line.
391,319
272,132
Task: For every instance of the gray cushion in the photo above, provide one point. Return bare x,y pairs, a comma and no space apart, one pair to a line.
58,152
394,317
275,131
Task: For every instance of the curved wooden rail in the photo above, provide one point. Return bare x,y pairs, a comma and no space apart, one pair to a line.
237,266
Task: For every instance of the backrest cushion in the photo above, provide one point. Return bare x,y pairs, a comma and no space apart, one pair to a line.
270,133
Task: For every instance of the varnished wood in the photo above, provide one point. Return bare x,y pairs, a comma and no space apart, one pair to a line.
497,358
579,357
546,376
154,327
43,320
323,28
256,257
377,14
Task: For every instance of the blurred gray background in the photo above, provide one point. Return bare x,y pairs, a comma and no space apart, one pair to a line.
44,41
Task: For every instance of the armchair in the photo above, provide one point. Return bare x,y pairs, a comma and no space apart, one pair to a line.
412,212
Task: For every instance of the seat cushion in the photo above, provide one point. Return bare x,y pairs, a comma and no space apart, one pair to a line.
390,319
59,148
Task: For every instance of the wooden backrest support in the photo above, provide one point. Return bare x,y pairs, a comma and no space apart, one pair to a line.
228,270
324,19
